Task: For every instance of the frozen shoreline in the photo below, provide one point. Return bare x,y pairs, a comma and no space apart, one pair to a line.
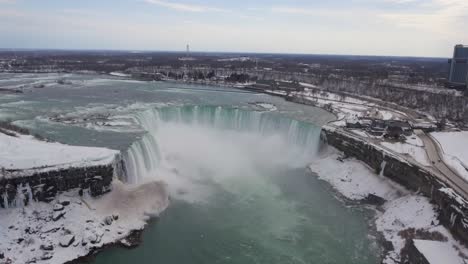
24,155
402,211
74,224
73,227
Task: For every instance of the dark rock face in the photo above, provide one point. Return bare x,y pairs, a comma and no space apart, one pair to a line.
57,215
108,220
47,247
67,240
453,212
45,185
65,202
133,240
47,255
373,199
413,255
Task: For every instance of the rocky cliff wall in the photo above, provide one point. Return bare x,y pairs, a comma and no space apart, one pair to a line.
453,209
18,190
414,255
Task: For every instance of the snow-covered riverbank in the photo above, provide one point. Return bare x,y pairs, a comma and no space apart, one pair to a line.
25,153
403,215
74,226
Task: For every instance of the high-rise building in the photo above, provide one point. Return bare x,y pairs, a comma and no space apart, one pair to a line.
458,76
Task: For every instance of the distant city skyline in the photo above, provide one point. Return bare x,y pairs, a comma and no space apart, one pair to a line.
424,28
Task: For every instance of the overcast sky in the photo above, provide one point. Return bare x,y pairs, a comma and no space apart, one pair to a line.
361,27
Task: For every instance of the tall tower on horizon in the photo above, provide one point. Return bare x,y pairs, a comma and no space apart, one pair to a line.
187,56
458,76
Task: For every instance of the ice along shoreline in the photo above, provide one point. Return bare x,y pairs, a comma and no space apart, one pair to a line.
67,208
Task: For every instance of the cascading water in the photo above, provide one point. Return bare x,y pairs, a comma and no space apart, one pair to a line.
22,197
382,168
30,194
187,145
240,190
145,156
5,200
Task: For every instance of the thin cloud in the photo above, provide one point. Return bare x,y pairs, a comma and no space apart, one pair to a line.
401,1
185,7
293,10
337,14
437,16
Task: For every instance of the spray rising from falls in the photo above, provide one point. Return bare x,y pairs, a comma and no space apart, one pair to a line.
192,143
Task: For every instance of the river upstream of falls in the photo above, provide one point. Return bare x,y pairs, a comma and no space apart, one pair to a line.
235,164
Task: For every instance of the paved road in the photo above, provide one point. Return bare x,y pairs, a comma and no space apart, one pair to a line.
434,154
438,167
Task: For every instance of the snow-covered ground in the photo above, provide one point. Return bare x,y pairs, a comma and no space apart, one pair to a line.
25,152
102,117
278,92
418,153
438,252
414,140
71,227
454,146
119,74
308,85
266,106
360,132
352,178
348,107
407,211
403,209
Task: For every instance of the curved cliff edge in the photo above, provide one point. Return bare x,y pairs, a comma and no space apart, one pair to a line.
422,220
61,203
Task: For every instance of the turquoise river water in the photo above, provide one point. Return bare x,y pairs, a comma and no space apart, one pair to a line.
235,163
